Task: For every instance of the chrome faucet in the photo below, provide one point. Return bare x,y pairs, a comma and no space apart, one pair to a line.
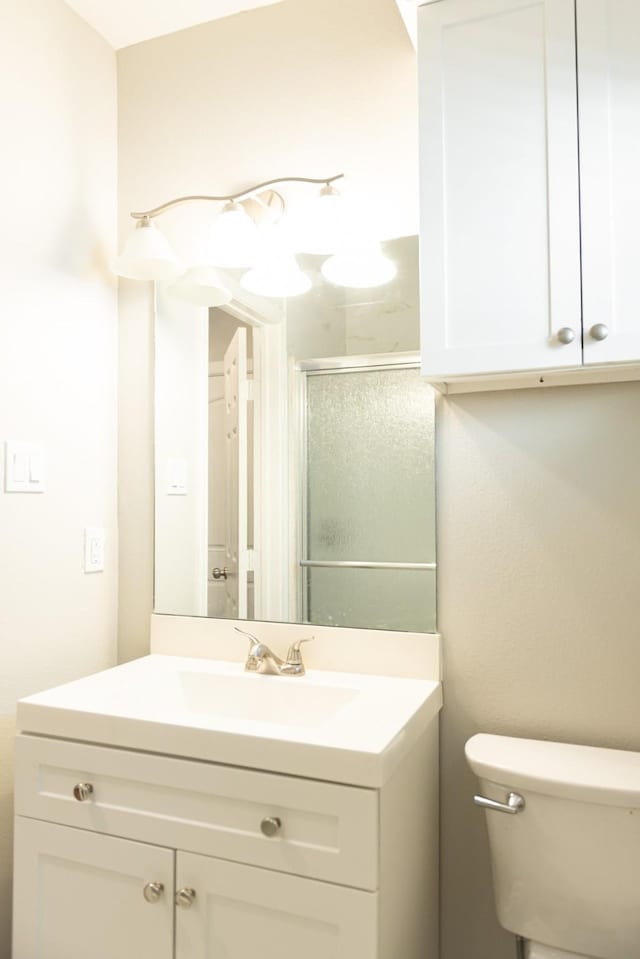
262,659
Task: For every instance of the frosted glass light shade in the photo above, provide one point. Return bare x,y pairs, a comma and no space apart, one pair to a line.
278,275
202,286
320,227
147,255
235,239
360,268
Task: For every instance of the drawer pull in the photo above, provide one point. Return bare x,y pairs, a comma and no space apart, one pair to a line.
185,898
270,826
83,791
153,891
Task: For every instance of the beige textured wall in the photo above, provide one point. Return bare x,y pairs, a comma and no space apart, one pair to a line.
58,372
539,576
307,87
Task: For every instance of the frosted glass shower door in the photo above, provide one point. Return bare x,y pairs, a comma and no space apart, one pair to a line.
368,553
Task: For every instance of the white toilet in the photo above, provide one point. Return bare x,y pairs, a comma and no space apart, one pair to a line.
564,831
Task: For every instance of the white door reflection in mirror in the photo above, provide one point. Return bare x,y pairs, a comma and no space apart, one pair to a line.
231,457
217,592
236,402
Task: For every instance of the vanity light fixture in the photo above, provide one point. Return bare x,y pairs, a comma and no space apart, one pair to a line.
238,241
148,255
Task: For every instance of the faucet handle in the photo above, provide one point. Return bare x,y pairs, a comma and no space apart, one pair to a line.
294,656
253,639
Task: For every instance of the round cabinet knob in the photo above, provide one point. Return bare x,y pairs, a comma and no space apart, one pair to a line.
566,335
185,898
153,891
599,331
270,826
83,791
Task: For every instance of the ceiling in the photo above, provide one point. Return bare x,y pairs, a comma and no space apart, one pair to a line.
123,22
409,13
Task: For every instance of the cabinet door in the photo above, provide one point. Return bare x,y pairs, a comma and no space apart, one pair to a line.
609,98
500,245
78,895
241,911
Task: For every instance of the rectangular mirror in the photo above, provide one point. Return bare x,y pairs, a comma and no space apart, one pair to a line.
295,456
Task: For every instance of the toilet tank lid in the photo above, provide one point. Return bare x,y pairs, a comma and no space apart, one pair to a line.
610,777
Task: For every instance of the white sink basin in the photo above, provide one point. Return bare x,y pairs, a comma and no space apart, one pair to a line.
283,702
344,727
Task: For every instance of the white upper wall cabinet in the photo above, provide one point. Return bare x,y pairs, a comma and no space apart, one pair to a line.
511,99
500,242
609,107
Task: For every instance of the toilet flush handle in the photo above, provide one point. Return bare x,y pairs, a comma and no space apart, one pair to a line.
514,804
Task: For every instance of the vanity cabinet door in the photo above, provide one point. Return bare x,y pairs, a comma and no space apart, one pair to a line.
240,911
500,238
609,107
80,895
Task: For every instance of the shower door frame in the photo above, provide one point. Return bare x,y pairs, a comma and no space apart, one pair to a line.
299,469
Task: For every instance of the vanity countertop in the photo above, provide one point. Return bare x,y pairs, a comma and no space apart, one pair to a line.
342,727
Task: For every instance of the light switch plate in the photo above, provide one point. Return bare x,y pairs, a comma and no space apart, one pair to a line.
94,549
23,468
177,476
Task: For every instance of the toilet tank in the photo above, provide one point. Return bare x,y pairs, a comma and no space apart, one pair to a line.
566,868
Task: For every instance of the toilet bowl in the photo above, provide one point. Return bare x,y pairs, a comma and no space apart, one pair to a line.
564,834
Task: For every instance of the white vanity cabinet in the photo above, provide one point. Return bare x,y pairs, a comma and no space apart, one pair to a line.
530,142
122,854
82,894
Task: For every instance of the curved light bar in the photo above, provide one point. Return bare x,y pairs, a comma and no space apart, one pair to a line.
235,197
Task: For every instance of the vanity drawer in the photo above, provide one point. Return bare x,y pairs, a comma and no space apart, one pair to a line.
327,831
